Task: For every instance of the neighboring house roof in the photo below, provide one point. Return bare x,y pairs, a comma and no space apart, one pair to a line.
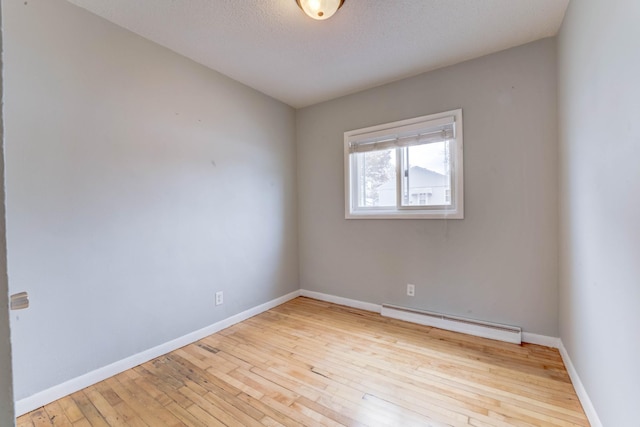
420,177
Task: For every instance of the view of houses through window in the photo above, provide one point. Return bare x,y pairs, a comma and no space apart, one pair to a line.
410,169
425,173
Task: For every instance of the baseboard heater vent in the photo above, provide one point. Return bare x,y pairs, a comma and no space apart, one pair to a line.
494,331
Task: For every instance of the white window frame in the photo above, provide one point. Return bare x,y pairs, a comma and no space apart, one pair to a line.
396,131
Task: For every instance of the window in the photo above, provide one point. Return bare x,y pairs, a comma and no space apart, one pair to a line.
407,169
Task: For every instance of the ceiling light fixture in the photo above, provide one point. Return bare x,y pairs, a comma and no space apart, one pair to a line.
320,9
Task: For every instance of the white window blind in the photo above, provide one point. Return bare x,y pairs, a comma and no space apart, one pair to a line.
409,169
428,132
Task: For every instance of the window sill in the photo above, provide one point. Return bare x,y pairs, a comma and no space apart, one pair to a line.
406,214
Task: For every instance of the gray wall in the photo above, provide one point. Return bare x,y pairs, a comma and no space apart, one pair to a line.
6,380
599,104
500,262
138,184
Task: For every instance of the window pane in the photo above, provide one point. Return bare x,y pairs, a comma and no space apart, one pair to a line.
405,170
427,175
376,179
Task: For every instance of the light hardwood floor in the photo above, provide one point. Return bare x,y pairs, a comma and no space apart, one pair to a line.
311,363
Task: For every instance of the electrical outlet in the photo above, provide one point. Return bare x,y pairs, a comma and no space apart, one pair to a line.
219,298
411,290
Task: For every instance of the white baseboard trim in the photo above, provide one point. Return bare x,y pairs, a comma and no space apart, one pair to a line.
587,405
367,306
44,397
59,391
527,337
494,331
544,340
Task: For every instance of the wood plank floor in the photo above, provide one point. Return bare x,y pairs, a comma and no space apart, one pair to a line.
308,363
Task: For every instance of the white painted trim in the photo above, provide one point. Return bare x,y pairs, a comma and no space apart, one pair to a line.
544,340
587,405
367,306
527,337
44,397
494,331
585,401
417,124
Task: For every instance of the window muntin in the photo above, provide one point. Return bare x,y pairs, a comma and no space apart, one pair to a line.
406,169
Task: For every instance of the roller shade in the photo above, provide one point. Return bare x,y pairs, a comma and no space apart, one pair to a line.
429,132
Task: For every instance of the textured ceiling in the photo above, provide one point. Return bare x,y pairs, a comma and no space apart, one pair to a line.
273,47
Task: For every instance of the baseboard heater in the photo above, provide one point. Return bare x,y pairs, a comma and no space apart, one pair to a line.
495,331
